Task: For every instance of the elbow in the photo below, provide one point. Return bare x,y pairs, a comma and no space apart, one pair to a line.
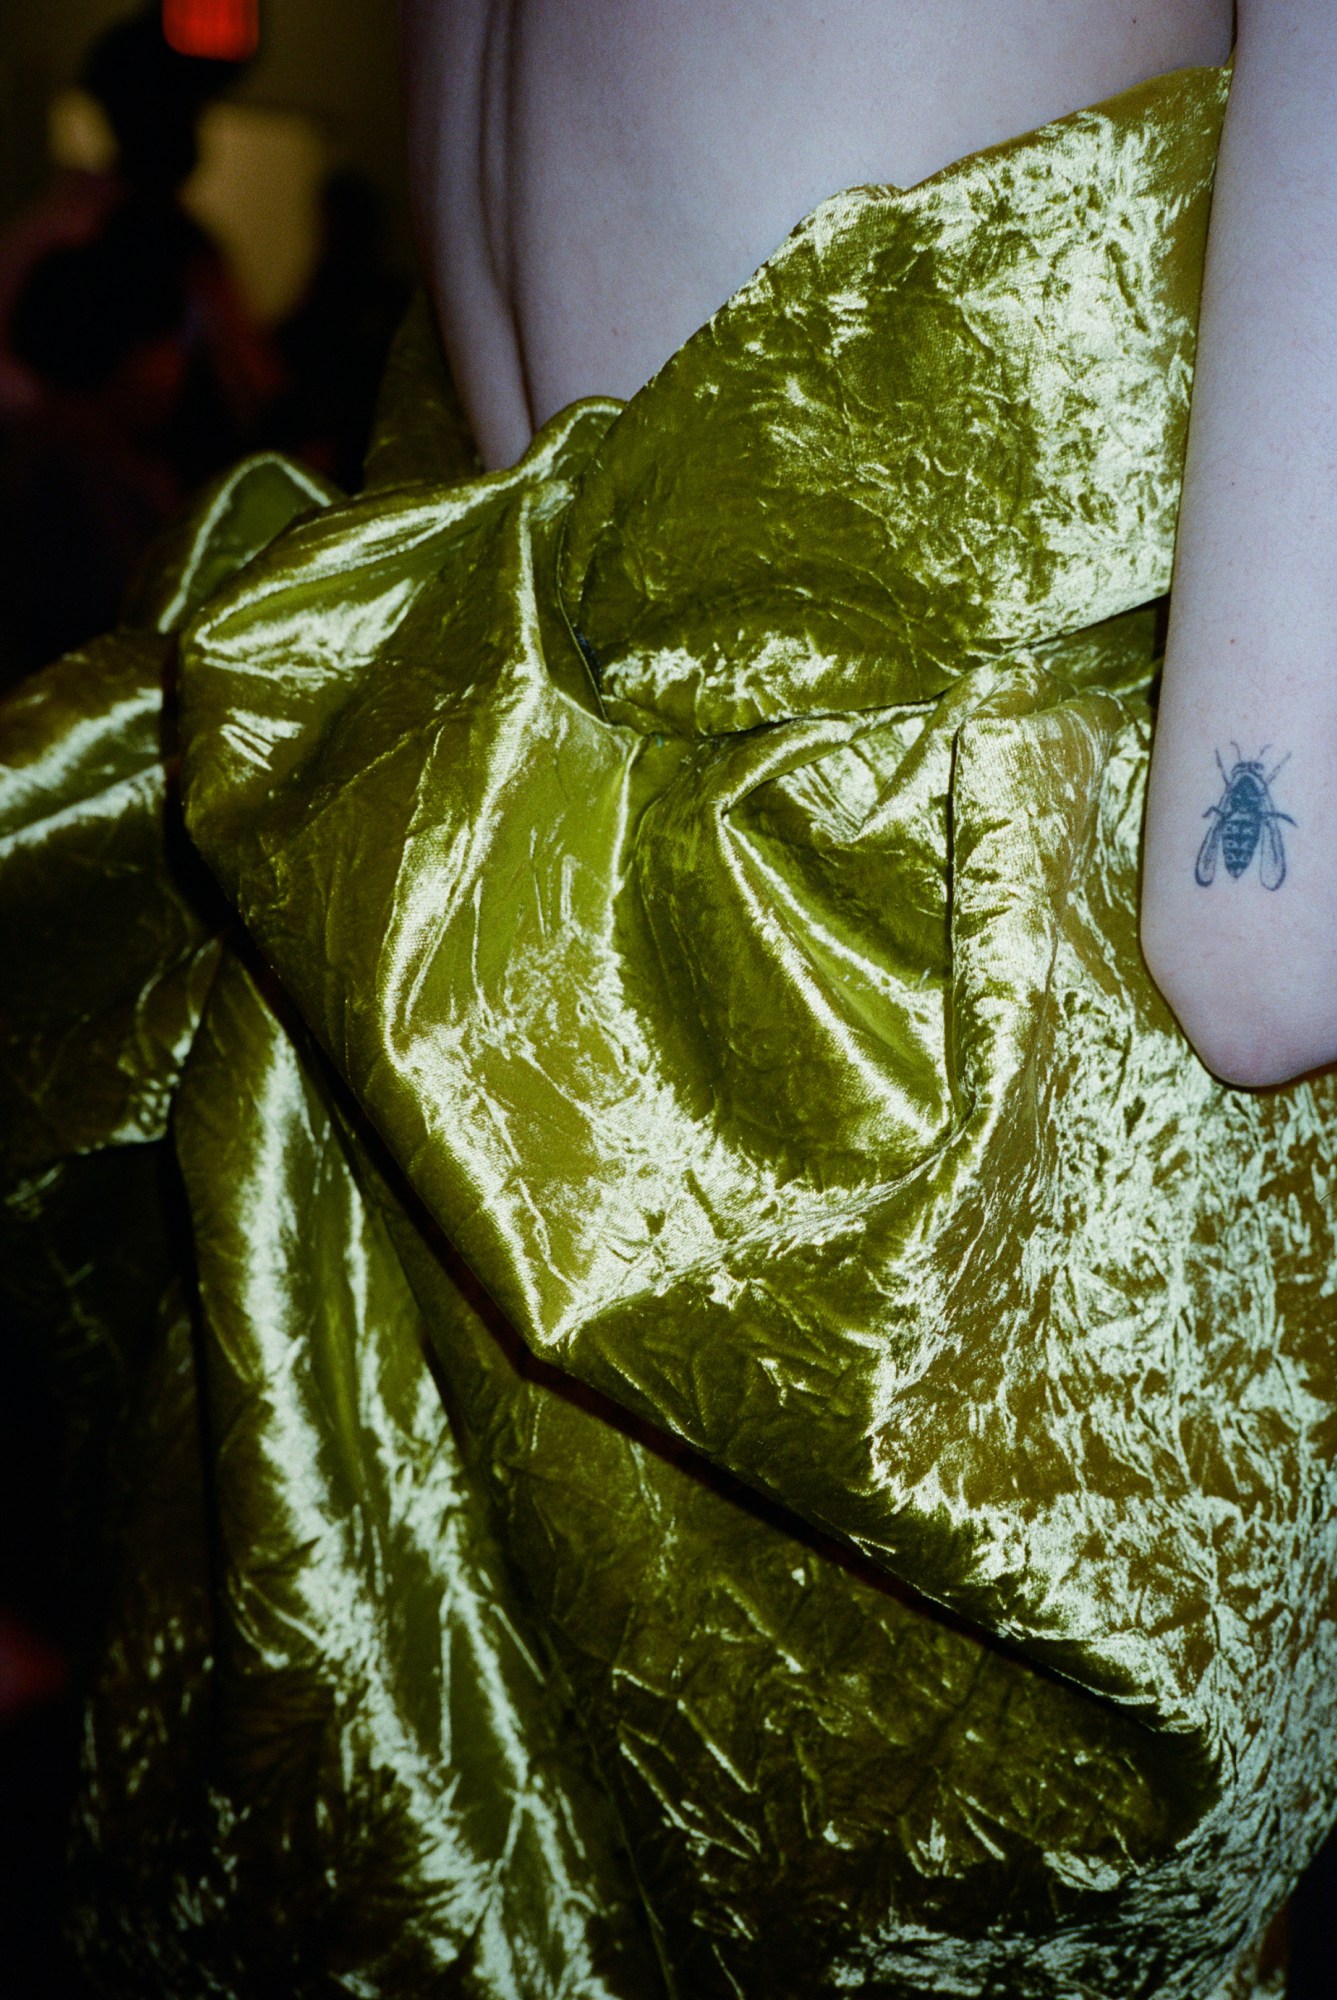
1249,1054
1244,1029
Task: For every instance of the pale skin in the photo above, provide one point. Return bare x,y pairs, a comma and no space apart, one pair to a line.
595,177
1252,647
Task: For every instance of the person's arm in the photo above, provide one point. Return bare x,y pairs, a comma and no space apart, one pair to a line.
1248,959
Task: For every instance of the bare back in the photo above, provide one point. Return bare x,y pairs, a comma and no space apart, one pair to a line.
595,177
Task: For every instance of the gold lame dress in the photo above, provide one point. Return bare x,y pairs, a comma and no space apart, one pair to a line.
704,1398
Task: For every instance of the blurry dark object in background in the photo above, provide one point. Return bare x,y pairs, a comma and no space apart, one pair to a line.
85,311
153,97
84,482
139,373
71,211
227,29
335,342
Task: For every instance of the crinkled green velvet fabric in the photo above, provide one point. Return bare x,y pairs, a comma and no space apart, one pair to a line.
735,1413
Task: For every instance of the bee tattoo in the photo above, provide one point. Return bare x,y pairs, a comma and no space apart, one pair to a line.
1245,823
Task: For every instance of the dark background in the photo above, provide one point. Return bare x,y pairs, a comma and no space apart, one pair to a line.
335,61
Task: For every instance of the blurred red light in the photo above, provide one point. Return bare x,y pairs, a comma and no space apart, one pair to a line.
227,30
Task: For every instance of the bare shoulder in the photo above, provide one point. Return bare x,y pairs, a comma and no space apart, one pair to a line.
611,174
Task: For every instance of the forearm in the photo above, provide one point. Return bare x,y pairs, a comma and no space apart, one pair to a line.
1251,660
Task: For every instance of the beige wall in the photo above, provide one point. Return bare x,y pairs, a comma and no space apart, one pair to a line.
333,59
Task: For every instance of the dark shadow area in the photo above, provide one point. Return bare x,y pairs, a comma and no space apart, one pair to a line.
39,1720
79,1302
1313,1928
